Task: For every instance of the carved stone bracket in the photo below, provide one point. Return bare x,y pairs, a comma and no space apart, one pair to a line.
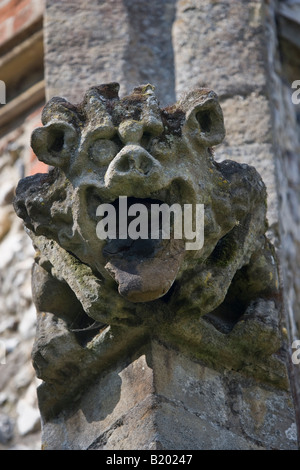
101,300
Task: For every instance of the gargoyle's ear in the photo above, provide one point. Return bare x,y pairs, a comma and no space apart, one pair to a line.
205,118
54,142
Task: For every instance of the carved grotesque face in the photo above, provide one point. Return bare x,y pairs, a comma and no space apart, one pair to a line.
107,147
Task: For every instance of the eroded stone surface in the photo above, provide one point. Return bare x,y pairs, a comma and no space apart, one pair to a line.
108,147
99,300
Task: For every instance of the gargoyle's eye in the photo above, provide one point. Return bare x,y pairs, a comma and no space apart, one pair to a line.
103,151
54,143
207,117
205,121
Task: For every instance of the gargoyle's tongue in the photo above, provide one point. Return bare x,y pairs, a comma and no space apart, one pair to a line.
144,269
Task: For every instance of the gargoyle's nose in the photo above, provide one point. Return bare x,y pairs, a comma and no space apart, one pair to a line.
135,159
132,162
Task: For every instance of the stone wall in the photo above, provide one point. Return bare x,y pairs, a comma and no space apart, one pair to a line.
20,67
109,41
227,52
286,124
150,401
19,416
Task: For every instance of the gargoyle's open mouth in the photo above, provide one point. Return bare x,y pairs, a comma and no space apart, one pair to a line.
144,258
134,238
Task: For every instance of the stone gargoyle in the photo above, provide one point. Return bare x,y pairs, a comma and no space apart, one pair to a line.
107,147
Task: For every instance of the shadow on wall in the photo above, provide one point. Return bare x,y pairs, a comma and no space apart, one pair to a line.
150,56
114,410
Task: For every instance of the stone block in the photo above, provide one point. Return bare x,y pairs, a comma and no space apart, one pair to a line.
164,400
247,120
181,430
98,418
109,41
220,44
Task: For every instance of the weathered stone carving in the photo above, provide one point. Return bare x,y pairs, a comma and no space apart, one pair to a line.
108,147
